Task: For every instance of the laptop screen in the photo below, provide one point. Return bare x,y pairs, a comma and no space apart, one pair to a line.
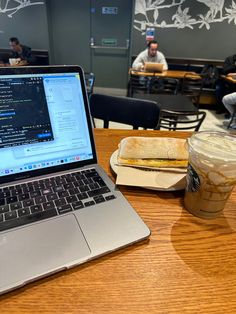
43,122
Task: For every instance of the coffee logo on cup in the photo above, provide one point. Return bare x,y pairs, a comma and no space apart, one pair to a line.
193,180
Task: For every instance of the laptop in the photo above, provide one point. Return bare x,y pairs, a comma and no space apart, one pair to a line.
153,67
58,208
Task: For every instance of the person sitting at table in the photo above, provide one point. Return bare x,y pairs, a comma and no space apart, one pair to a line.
229,102
222,87
151,54
20,52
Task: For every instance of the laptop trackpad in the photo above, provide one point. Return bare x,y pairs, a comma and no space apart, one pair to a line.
42,248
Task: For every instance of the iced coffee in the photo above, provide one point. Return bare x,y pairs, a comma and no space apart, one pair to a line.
211,173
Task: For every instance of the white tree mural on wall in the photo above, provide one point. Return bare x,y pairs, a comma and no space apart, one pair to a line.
11,7
147,14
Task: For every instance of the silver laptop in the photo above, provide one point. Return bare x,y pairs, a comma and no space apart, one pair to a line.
153,67
58,208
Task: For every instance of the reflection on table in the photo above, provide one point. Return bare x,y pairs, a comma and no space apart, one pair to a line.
187,265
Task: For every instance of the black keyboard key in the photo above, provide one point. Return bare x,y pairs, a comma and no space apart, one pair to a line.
64,209
27,219
27,189
28,203
16,192
99,180
87,181
51,197
1,218
110,197
48,205
11,199
23,212
82,196
46,191
16,206
10,215
68,178
93,186
99,191
71,199
4,194
77,205
40,199
63,193
2,201
36,208
60,202
58,188
78,183
84,188
91,174
23,197
80,176
68,186
99,199
35,193
73,191
4,208
39,185
89,203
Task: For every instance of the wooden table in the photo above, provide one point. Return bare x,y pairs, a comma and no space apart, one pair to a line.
168,73
187,266
229,78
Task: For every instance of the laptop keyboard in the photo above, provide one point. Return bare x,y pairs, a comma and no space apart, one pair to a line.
33,201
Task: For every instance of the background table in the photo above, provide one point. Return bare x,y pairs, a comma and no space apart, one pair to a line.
187,266
171,102
168,73
229,79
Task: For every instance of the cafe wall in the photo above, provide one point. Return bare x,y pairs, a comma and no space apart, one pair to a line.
187,28
26,20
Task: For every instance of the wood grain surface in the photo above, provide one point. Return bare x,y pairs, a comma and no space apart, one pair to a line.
168,73
229,78
188,265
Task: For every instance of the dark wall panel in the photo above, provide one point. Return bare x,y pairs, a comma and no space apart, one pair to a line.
69,24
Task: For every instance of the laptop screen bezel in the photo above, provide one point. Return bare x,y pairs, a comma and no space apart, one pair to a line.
63,167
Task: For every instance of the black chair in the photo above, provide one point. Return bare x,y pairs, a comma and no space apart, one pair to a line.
192,88
131,111
180,120
165,85
89,82
138,84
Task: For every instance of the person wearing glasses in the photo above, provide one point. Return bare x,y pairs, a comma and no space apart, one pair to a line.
151,54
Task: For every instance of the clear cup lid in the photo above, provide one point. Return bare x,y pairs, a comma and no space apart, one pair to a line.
217,145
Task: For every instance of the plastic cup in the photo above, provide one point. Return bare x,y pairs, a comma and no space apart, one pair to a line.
211,174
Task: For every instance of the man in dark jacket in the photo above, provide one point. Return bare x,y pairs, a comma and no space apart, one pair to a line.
222,87
21,52
229,65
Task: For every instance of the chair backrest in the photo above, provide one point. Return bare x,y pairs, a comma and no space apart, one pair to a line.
180,120
89,82
192,87
165,85
131,111
140,84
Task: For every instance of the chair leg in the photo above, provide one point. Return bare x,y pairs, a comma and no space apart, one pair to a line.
231,120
